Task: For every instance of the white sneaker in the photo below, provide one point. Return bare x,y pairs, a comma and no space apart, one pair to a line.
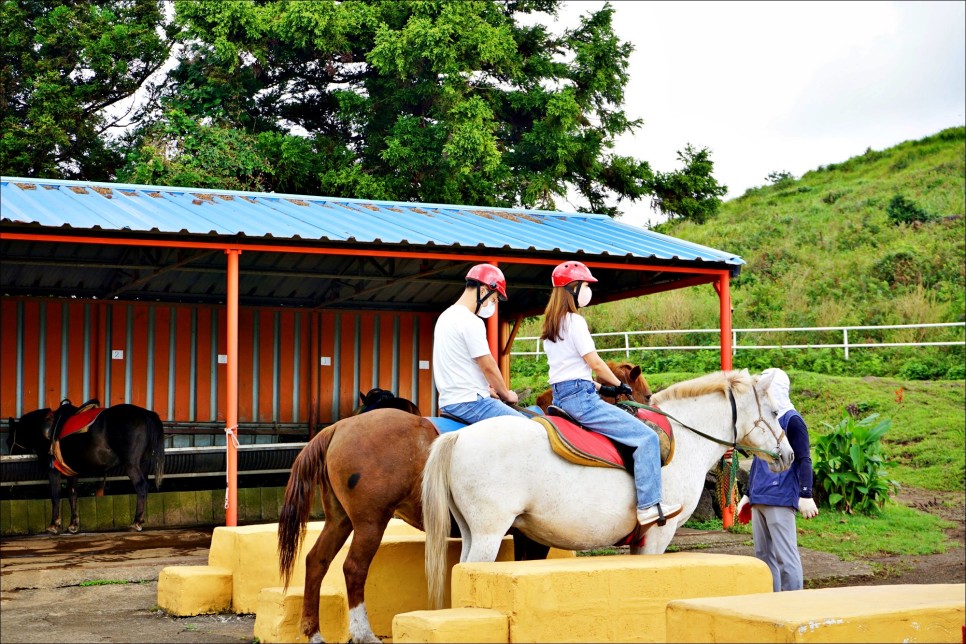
648,516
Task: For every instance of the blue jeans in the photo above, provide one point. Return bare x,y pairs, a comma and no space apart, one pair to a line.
481,409
579,398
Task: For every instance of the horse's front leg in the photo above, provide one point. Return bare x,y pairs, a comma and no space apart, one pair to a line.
365,543
53,477
335,531
74,525
141,489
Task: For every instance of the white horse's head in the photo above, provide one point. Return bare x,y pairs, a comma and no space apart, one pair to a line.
759,427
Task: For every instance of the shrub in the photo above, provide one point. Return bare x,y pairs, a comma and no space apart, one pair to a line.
849,474
905,211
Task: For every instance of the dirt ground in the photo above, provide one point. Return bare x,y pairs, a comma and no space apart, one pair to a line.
42,599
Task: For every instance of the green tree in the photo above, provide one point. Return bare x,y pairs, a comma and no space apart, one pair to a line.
452,102
691,194
63,65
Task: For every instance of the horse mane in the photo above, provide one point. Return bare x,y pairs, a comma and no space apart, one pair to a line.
716,382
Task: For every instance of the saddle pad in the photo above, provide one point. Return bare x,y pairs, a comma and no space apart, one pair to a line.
578,445
79,422
662,427
445,425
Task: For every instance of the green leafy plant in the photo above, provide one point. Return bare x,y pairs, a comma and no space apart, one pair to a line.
905,211
849,473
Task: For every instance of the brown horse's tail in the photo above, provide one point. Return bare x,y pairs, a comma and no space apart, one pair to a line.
436,522
157,447
308,470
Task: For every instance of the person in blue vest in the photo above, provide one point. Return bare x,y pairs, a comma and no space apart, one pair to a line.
772,498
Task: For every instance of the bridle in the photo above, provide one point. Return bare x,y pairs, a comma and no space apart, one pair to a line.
779,436
13,439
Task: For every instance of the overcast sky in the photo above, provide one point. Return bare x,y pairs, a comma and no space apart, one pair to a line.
785,86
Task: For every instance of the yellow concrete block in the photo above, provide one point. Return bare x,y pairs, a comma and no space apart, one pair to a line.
451,625
194,590
397,577
901,613
557,553
279,615
252,551
617,598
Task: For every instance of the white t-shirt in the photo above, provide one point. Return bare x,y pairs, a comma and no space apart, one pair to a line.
459,337
566,356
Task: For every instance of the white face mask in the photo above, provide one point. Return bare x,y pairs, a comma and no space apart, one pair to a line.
583,298
487,309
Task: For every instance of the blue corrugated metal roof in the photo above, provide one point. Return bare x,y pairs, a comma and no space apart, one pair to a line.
82,205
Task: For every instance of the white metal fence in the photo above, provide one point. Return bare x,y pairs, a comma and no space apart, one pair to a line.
736,333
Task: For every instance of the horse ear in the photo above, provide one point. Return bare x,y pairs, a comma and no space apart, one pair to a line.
362,398
635,373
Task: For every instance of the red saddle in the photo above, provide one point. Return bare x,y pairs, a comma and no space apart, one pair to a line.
79,422
578,445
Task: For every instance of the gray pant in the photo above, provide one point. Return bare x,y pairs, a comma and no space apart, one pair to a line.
776,543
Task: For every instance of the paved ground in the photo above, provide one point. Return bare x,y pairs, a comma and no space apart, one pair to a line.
42,599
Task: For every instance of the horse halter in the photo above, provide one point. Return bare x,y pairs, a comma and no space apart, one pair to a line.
779,436
13,439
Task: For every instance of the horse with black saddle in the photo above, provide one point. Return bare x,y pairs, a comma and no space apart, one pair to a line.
90,441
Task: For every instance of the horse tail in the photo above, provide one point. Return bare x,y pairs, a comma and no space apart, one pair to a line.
436,521
308,470
157,447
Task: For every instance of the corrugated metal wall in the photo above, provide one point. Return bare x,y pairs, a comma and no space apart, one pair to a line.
170,358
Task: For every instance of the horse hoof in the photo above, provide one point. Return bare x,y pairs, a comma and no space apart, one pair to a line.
316,639
73,529
52,529
135,527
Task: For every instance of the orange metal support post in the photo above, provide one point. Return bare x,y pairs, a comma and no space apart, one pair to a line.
231,402
722,286
493,330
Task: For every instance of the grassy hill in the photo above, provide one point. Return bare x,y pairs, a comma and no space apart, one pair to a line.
876,240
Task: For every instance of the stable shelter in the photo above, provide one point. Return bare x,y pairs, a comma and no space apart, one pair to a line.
265,313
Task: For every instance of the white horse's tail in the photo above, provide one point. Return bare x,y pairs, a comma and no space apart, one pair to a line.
436,522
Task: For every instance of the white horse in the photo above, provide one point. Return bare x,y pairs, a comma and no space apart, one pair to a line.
500,473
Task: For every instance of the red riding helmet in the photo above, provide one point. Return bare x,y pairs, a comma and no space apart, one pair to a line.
571,272
491,276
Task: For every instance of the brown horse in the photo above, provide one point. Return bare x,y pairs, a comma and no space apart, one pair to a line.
378,398
625,372
368,467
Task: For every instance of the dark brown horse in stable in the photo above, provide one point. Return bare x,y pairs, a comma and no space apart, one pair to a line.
123,435
377,398
369,467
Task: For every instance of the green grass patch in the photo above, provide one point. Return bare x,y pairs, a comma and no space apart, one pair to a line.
897,531
597,552
103,582
711,524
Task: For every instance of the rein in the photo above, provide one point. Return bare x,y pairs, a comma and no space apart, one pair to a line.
734,425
